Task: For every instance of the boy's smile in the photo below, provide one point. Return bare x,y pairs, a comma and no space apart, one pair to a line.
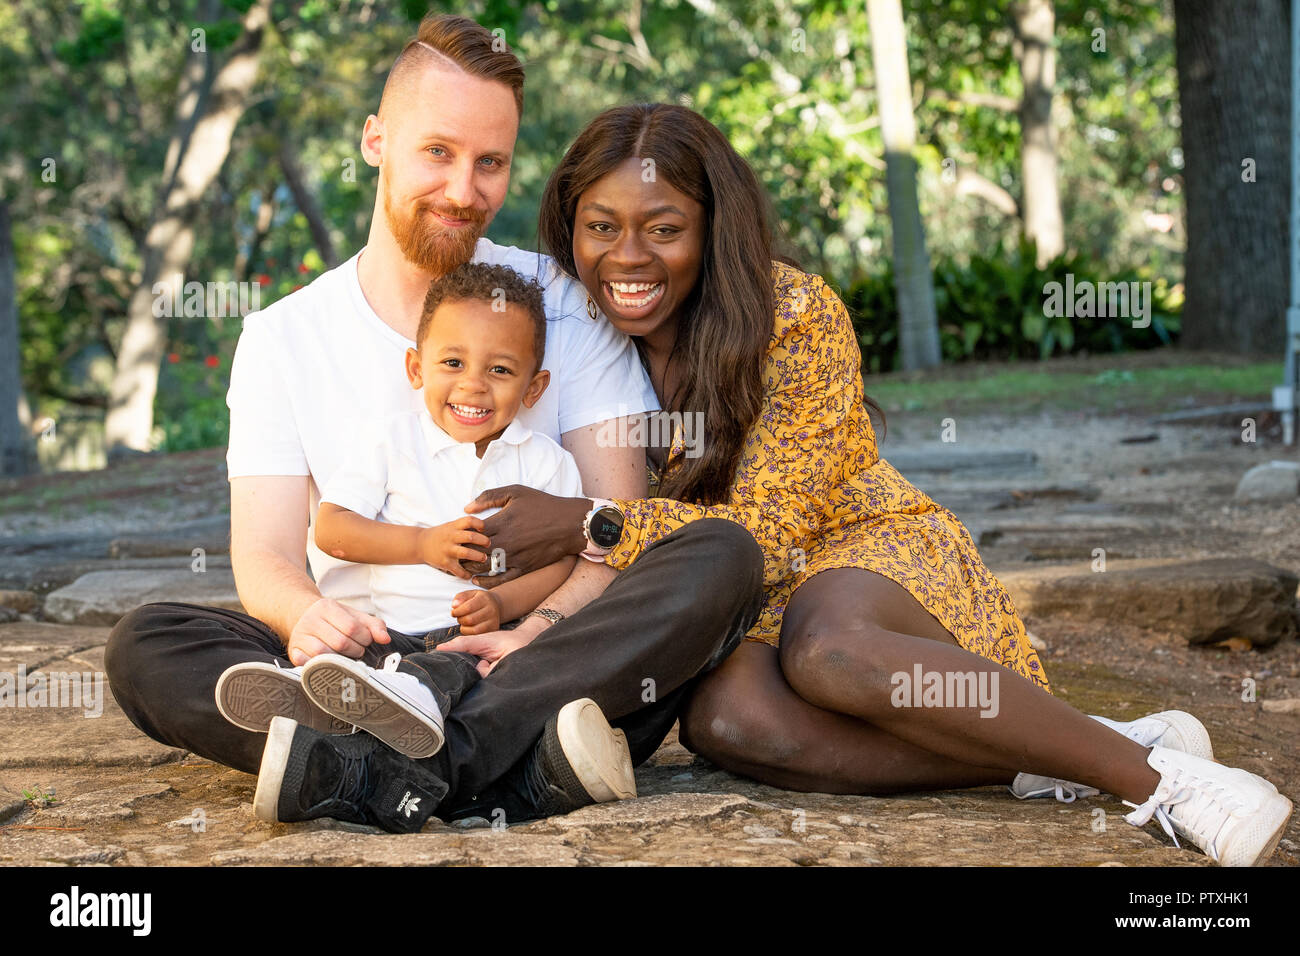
476,367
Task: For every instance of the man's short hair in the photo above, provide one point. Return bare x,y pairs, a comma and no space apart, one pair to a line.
481,282
462,42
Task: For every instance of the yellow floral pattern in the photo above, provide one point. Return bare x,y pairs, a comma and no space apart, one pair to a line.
814,492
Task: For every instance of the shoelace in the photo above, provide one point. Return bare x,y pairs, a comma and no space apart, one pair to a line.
1179,787
354,780
1066,791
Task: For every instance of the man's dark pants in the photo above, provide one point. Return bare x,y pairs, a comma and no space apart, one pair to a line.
637,650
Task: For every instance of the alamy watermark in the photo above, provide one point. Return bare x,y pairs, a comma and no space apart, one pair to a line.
216,300
653,430
1085,299
55,689
922,688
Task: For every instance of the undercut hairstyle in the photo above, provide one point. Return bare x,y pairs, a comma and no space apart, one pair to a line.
481,282
456,41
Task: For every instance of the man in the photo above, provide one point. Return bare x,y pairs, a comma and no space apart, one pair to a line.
314,371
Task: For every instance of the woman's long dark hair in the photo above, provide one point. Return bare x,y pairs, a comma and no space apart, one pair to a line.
726,322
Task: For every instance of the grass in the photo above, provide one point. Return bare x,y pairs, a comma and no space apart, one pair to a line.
1021,390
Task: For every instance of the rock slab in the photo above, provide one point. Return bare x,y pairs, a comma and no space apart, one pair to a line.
1204,601
103,597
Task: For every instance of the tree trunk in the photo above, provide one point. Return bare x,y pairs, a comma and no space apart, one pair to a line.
305,200
1035,23
1234,68
205,126
918,328
16,452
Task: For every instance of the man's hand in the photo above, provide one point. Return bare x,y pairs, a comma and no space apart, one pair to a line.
330,627
533,528
443,546
477,612
492,648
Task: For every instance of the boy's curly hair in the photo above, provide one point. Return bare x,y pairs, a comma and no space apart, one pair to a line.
479,281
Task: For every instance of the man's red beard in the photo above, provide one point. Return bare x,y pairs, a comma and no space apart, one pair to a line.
426,243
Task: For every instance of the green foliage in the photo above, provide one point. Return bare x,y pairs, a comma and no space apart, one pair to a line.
994,307
95,87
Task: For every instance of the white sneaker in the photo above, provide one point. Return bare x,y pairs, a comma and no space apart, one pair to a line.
1174,729
1234,816
395,707
249,695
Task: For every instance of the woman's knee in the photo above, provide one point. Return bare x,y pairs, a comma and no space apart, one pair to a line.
825,653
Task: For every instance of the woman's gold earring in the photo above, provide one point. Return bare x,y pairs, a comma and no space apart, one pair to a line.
591,308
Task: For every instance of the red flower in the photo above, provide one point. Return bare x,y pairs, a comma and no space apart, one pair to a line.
263,279
212,361
173,357
295,288
302,267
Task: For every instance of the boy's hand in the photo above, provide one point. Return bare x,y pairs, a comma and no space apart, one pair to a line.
443,546
477,612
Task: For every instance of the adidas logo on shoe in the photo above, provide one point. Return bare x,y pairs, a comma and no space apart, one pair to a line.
409,804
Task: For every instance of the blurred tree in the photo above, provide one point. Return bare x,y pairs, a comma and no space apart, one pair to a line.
918,332
1035,51
210,99
16,457
1234,72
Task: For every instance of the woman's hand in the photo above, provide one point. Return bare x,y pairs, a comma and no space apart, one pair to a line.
443,546
477,612
534,529
492,648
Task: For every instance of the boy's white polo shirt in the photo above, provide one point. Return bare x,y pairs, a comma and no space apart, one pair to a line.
317,371
417,475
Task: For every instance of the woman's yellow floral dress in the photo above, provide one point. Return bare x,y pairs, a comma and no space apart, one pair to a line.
816,495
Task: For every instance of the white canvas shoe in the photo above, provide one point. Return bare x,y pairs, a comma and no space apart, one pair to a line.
1234,816
395,707
1174,729
249,695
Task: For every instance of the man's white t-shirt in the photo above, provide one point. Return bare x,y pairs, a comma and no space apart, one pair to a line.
317,371
414,474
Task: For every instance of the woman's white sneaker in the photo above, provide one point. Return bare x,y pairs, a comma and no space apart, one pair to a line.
1175,729
393,706
1234,816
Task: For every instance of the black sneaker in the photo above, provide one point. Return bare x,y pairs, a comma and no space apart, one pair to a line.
579,760
352,777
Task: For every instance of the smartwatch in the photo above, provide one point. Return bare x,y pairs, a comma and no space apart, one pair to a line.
602,527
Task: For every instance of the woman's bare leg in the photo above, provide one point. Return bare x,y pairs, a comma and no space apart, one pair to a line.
745,718
845,634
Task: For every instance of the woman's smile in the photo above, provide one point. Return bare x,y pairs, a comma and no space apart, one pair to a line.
633,300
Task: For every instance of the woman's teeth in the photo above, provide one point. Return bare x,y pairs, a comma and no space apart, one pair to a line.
469,411
634,295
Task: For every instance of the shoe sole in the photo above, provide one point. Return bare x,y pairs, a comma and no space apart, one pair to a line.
250,695
376,709
1271,820
1195,739
597,752
270,775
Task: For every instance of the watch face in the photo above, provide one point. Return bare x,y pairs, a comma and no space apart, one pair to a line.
606,527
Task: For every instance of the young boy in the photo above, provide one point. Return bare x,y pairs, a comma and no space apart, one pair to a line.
399,507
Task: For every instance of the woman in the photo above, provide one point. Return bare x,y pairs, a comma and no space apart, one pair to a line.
888,658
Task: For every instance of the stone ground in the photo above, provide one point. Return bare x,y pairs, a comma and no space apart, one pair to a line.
1036,494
